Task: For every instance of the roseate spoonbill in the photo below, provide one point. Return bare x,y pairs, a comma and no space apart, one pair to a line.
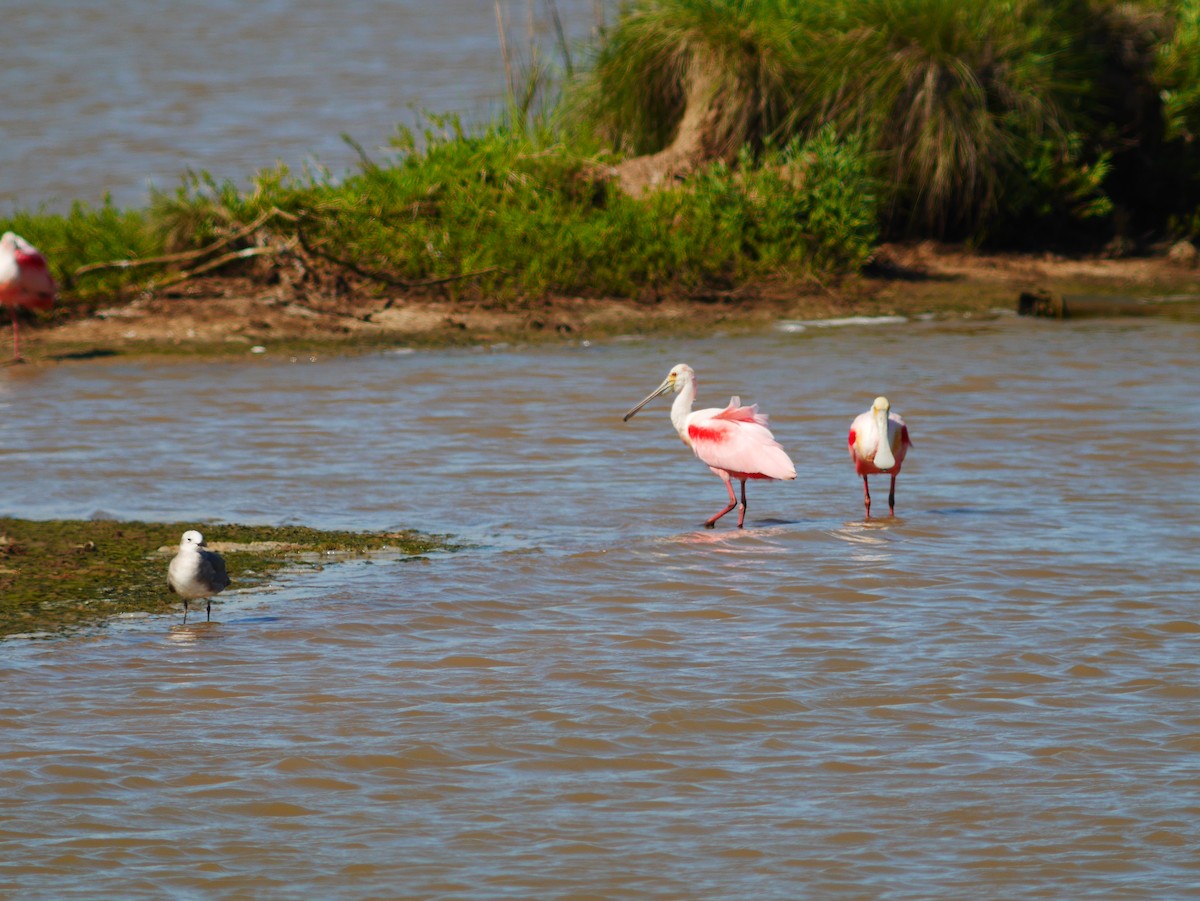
734,442
25,280
871,455
196,572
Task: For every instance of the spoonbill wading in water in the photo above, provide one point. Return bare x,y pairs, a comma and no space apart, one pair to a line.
25,281
872,455
734,442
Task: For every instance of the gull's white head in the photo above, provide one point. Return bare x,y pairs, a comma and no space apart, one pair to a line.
192,538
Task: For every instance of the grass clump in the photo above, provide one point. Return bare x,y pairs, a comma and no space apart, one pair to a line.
64,575
964,103
1177,72
531,215
996,119
738,57
1177,75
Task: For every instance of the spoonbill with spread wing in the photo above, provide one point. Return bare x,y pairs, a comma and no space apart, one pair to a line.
735,442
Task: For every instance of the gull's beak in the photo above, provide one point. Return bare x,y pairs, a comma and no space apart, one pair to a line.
883,454
666,387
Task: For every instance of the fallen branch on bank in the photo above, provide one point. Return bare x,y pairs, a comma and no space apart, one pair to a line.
243,254
300,242
188,255
384,277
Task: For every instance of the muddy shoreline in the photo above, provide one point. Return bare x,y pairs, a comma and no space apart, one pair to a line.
237,315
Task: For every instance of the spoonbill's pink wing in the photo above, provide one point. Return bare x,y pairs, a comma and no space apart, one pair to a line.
738,441
900,445
863,437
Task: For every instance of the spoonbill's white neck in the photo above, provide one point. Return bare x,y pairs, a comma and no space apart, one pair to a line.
681,408
883,452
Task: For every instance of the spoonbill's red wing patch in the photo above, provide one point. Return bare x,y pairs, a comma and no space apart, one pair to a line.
853,436
35,279
708,433
30,260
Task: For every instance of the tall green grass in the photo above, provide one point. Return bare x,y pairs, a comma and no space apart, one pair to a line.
986,119
1178,74
959,99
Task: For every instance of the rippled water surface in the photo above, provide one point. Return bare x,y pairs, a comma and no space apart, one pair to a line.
109,96
993,695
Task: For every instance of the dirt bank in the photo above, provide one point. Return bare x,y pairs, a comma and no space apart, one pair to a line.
238,314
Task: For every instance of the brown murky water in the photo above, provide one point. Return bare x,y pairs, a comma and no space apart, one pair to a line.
994,695
108,96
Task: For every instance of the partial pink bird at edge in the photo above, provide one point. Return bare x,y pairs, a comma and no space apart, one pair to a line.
734,442
25,281
872,457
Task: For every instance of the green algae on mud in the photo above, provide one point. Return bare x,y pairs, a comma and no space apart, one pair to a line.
60,576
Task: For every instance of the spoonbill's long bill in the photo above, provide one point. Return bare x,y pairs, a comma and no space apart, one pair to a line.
196,572
879,442
25,280
734,442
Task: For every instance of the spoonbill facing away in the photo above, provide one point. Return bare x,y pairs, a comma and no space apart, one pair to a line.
734,442
872,455
25,280
196,572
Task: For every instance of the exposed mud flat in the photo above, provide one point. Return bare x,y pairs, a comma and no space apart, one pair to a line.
237,315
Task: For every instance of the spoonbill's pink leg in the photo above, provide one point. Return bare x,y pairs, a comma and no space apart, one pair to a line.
867,496
892,496
16,335
708,524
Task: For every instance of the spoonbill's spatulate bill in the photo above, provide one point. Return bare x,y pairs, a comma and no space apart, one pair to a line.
735,442
879,442
196,572
25,281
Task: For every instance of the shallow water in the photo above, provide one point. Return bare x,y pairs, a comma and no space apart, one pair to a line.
110,96
992,695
